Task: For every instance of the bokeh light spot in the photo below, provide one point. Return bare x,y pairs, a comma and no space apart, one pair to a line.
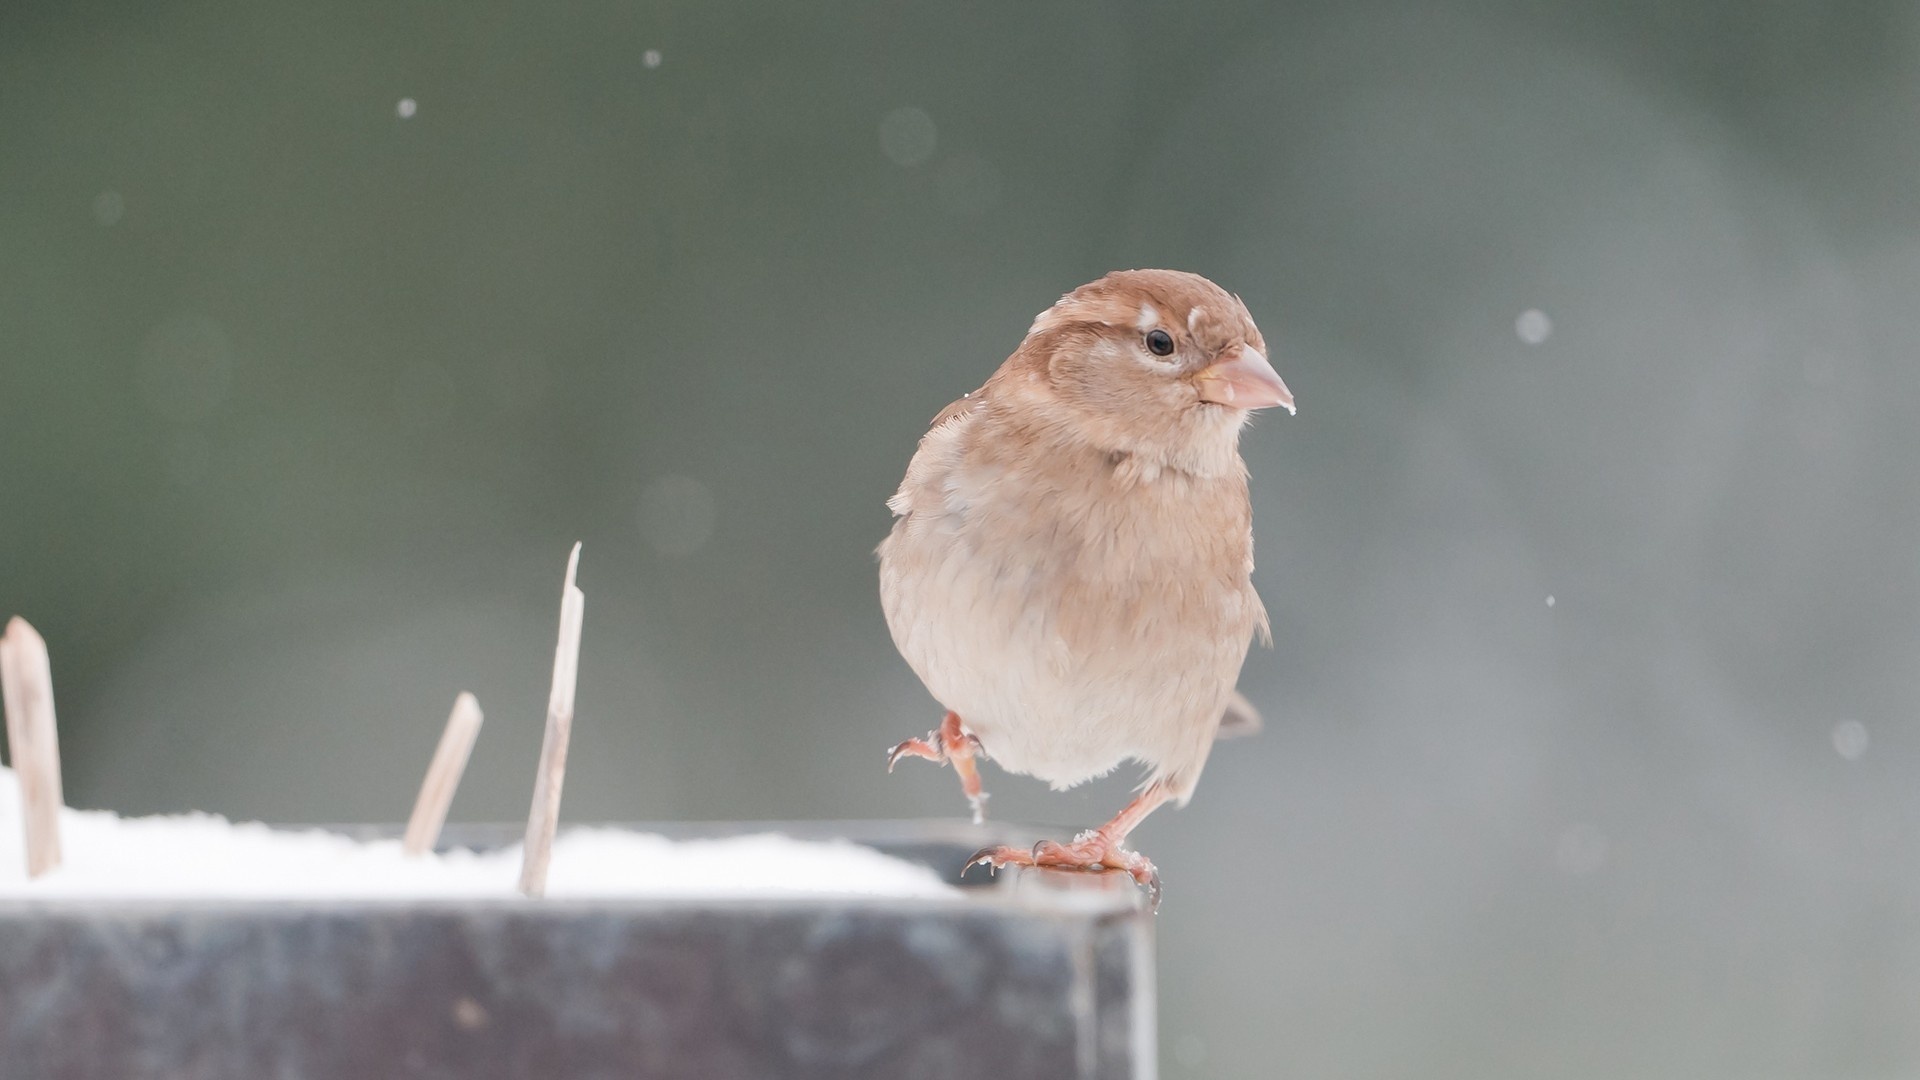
1850,739
1533,326
1581,850
109,207
907,136
676,515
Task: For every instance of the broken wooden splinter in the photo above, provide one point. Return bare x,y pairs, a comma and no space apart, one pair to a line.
443,776
33,742
545,815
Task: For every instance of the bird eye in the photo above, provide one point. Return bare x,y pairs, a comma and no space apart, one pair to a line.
1160,343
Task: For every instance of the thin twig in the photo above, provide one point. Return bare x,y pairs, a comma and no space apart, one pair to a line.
443,775
26,685
545,815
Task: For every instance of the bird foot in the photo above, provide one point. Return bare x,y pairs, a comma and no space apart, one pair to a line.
953,744
1089,853
932,748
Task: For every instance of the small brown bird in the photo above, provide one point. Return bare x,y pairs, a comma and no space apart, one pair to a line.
1070,568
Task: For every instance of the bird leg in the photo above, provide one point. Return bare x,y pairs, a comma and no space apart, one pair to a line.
1096,851
950,743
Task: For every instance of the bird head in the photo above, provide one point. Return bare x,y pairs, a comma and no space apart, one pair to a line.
1152,360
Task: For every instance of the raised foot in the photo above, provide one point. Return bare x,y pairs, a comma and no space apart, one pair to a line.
950,743
932,748
1089,853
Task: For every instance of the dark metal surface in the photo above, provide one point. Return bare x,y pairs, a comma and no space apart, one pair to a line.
1027,978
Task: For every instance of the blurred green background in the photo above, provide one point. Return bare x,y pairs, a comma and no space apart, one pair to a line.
1593,554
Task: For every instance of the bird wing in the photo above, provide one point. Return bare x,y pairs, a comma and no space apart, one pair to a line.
938,453
966,406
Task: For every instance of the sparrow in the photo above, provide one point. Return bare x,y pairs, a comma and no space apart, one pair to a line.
1069,569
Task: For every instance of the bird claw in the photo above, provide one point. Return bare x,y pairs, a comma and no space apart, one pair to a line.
928,748
933,748
996,857
1147,876
1088,854
950,744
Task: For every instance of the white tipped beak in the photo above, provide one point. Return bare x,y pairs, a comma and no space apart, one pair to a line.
1244,380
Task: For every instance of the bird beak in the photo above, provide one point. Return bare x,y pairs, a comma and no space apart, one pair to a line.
1244,380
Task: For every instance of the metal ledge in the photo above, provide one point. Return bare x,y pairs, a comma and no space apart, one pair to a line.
1036,975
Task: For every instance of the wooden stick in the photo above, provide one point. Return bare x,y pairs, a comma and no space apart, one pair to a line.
26,685
443,776
545,815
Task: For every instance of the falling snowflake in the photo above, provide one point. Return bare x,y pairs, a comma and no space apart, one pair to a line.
1533,326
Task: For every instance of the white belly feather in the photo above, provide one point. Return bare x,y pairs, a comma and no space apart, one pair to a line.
1062,666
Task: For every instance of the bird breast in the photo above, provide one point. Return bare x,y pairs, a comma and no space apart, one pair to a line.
1075,609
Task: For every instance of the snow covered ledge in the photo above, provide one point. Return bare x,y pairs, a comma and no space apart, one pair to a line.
171,947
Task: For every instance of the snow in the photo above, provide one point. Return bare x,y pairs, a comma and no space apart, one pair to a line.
1850,739
202,856
908,137
1533,326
